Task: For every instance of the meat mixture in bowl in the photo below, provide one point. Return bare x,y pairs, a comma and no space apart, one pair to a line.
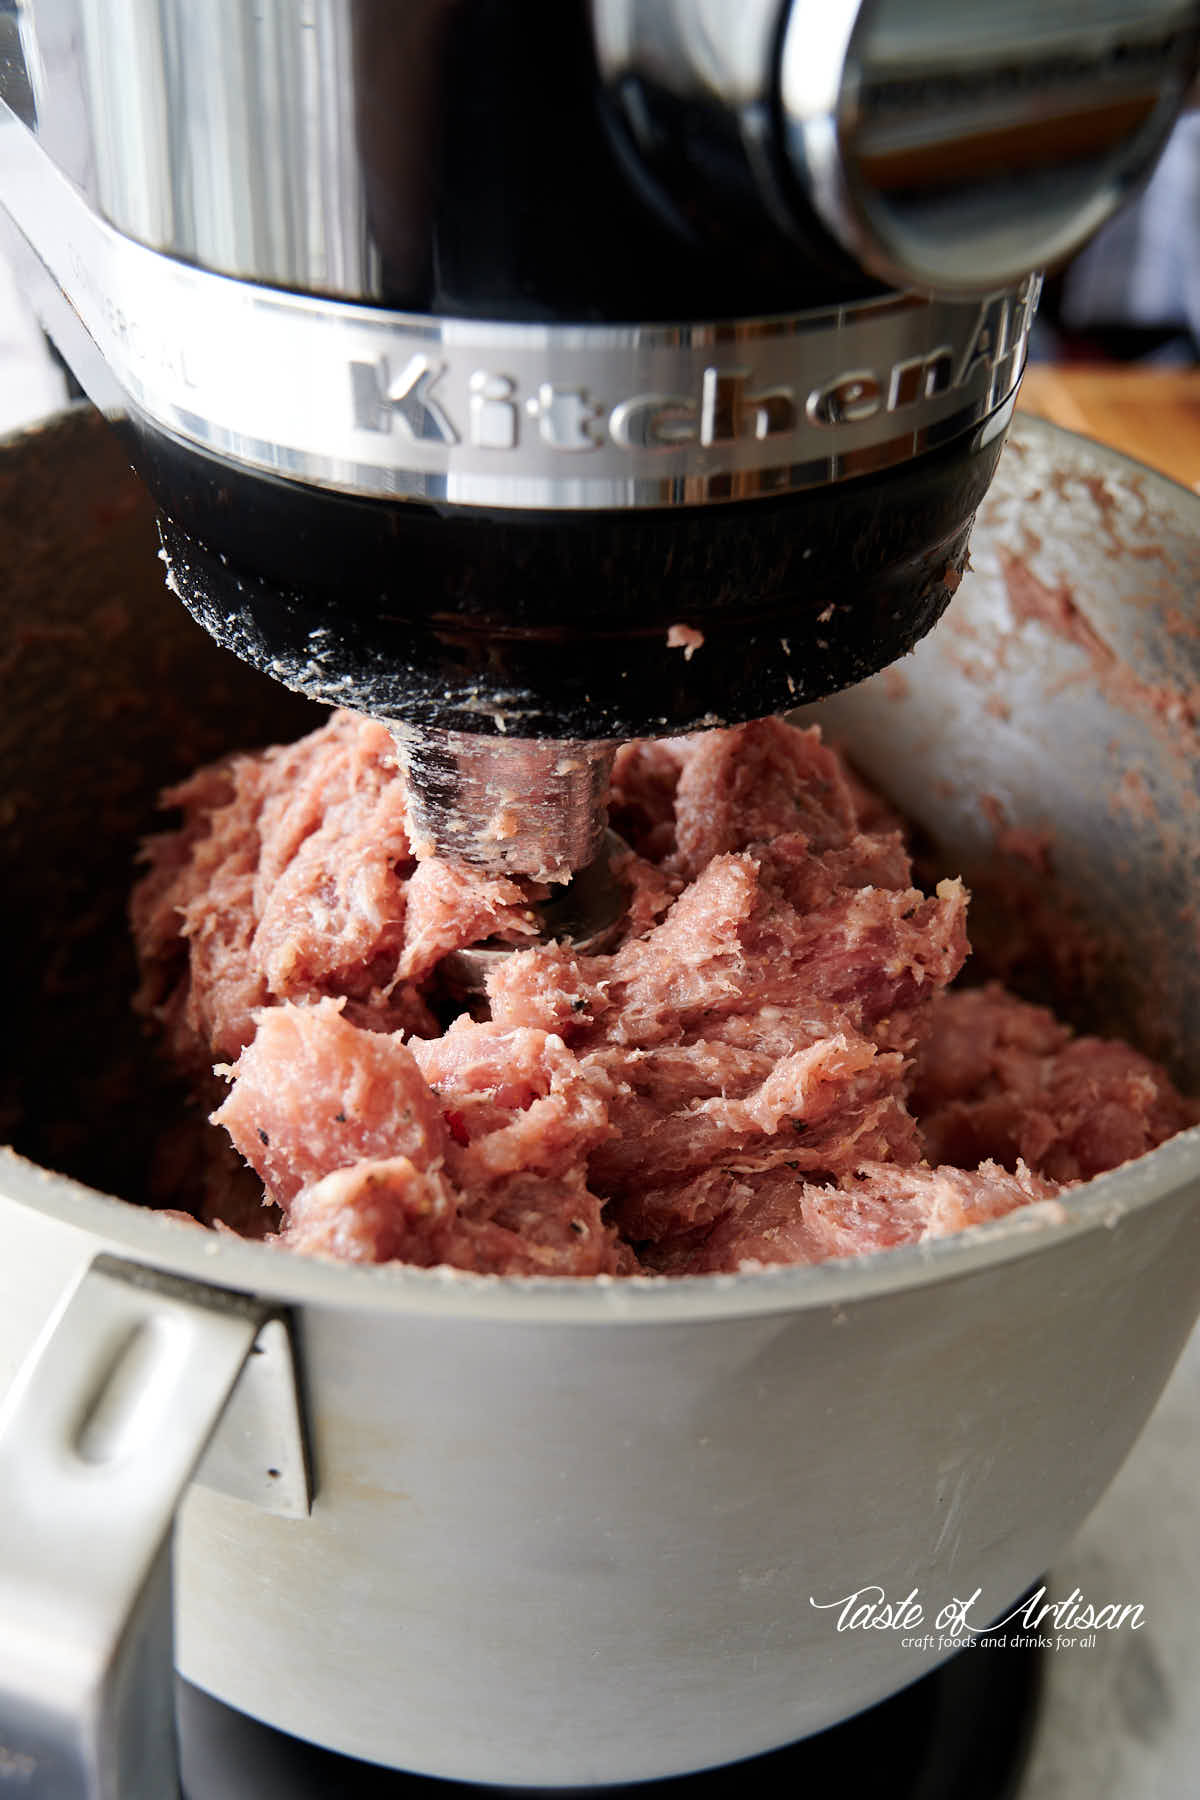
770,1066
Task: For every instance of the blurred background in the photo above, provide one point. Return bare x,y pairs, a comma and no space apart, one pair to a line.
1133,295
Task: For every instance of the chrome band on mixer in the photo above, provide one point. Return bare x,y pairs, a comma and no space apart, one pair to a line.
529,416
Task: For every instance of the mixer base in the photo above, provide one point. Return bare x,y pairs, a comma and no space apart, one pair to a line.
964,1729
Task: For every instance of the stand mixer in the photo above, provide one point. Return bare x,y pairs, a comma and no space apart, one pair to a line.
535,378
532,377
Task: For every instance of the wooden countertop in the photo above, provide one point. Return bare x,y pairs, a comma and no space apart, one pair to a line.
1153,415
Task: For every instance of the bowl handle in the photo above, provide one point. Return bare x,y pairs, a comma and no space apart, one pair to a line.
99,1436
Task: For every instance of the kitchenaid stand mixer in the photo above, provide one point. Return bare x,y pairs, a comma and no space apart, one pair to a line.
535,378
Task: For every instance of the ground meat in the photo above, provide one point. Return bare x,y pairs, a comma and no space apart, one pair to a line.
997,1078
876,1208
292,878
770,1067
312,1093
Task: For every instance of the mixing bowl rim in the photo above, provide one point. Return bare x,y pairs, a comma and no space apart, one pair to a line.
289,1278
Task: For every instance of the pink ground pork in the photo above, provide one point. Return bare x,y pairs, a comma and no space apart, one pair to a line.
770,1067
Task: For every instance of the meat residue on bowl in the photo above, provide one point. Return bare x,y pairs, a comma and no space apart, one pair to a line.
770,1067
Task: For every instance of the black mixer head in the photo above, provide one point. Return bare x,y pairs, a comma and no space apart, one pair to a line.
568,624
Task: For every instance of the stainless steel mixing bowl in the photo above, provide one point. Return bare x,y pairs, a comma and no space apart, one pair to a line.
554,1533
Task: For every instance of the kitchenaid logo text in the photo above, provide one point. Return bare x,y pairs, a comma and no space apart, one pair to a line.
1074,1621
725,404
